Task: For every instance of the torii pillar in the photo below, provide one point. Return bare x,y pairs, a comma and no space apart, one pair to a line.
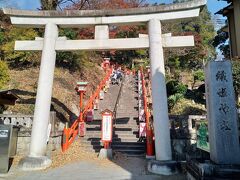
159,93
37,154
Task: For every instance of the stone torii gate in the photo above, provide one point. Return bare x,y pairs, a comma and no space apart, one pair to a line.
101,19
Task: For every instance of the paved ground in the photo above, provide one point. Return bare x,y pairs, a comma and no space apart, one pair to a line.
78,163
119,168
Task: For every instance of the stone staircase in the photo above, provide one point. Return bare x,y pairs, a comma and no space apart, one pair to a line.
125,135
126,123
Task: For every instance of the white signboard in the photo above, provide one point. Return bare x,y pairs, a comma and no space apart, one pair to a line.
3,133
107,128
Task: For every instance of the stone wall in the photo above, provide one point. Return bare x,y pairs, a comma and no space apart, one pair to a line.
24,125
183,133
184,136
24,139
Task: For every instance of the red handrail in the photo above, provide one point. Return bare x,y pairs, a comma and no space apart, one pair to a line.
149,130
69,134
96,93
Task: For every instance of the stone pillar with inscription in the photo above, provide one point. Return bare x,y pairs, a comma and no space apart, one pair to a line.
221,113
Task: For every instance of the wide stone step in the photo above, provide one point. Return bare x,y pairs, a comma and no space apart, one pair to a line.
93,133
93,143
128,115
125,135
130,151
120,117
127,126
120,146
129,107
131,124
126,132
125,139
115,145
142,156
129,143
130,104
90,139
132,131
115,139
124,118
129,101
96,128
94,122
125,121
96,134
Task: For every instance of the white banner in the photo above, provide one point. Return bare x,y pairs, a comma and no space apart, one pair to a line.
107,128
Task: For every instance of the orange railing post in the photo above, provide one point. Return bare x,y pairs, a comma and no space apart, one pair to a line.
149,130
65,140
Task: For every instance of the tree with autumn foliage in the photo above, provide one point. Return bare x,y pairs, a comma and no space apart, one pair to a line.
189,61
203,31
106,4
188,57
122,57
61,4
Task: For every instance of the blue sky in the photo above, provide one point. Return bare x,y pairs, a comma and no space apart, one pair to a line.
21,4
213,5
